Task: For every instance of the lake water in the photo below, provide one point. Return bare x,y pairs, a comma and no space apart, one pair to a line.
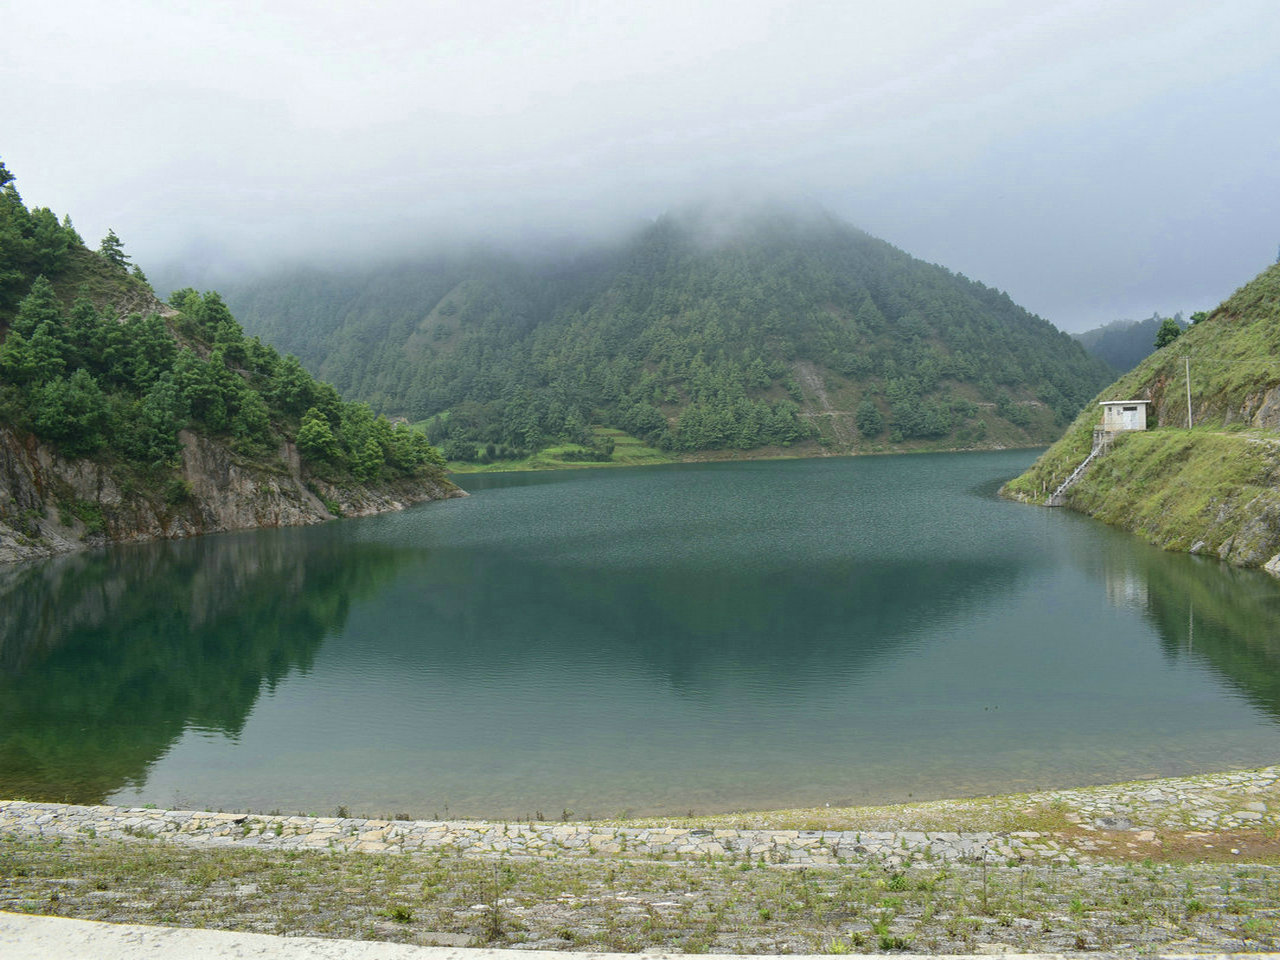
657,640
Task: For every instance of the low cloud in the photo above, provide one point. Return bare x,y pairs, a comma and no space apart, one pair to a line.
1096,160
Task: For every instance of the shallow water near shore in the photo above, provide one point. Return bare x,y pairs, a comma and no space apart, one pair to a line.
698,637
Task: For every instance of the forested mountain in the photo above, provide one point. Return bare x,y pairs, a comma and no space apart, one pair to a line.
105,392
1123,344
765,329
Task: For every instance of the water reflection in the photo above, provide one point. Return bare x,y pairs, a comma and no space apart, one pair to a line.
719,636
1204,611
693,627
107,657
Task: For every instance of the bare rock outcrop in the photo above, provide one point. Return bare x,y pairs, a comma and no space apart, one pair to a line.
50,504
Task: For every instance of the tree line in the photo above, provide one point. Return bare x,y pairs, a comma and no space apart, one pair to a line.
123,388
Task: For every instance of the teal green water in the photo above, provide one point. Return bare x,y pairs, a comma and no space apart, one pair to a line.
698,637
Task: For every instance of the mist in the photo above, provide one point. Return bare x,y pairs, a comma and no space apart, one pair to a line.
1095,160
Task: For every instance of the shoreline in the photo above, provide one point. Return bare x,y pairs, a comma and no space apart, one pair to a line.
1207,491
460,469
1057,824
1180,865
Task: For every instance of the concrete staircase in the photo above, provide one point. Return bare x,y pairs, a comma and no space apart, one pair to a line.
1101,444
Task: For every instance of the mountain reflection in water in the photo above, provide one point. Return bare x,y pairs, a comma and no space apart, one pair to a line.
106,658
708,636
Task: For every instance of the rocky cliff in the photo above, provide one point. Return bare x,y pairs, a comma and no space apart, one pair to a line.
51,504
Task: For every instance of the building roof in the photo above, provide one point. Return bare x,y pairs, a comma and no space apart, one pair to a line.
1116,403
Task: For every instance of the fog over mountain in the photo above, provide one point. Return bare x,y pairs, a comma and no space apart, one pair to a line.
1093,159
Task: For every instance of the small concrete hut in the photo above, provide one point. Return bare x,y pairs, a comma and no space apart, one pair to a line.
1121,415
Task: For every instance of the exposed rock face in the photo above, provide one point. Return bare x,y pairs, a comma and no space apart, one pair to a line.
1169,406
1264,411
50,504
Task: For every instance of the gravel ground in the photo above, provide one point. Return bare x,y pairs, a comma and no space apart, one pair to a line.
1188,865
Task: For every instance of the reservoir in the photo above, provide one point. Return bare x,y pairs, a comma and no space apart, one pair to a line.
660,640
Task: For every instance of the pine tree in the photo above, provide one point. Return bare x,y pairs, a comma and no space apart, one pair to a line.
870,422
71,412
153,435
112,250
39,306
369,463
315,437
252,421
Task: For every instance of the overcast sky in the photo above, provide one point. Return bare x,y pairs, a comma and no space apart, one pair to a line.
1097,159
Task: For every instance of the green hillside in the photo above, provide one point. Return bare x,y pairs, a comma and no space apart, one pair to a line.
35,243
94,365
764,331
1213,489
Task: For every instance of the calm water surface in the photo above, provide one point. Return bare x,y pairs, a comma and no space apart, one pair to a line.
657,640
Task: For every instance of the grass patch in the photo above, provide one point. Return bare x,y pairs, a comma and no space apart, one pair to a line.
629,906
628,451
1173,485
1178,488
1167,883
87,512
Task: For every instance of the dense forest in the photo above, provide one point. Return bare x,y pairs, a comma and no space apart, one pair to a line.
764,329
93,363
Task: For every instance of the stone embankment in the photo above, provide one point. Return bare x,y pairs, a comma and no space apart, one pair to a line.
1100,821
486,838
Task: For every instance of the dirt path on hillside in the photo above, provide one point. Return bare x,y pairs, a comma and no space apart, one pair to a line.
813,387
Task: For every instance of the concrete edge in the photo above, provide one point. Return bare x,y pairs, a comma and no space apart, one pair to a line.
35,937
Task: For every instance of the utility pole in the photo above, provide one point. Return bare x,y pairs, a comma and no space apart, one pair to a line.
1187,361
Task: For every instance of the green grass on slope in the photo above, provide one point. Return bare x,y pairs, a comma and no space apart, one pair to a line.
1177,487
1234,361
628,451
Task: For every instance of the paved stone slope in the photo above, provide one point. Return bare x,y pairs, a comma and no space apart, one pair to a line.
1099,820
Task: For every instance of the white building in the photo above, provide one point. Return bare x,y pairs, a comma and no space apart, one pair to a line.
1118,415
